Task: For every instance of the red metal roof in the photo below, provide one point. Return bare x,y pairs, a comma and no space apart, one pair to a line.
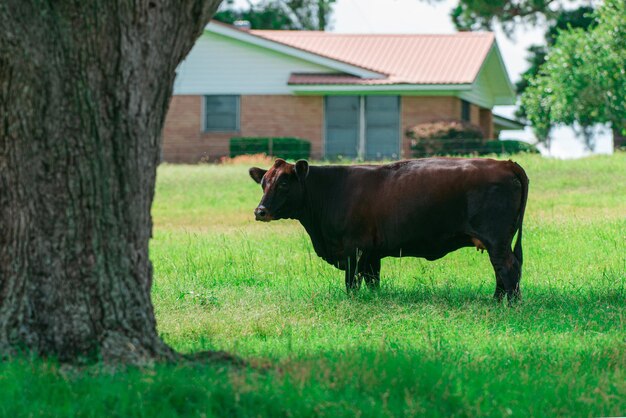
404,59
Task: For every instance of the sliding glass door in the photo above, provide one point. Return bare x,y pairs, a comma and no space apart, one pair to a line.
342,116
366,127
382,127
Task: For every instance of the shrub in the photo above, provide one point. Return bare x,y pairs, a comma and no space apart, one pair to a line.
508,147
452,137
445,129
284,147
445,137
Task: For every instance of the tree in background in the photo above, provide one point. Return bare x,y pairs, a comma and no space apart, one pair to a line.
280,14
482,14
583,81
269,15
577,18
84,89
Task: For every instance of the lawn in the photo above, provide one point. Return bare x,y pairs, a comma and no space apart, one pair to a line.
430,342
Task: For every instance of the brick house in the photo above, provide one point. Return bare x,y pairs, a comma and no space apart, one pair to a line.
349,95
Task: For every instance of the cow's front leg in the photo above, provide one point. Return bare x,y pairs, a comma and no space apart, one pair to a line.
353,280
371,273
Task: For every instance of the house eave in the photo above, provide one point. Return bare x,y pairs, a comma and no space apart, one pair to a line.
504,100
504,123
243,36
403,89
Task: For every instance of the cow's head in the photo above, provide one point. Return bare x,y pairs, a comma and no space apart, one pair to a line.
283,189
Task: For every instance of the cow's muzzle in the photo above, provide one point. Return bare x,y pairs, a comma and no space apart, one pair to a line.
261,214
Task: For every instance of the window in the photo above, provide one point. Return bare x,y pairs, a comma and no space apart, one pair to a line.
221,113
465,110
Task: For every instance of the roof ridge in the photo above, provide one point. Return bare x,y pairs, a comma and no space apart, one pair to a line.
373,35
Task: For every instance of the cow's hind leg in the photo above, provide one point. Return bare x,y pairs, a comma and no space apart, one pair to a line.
508,273
500,292
371,273
353,280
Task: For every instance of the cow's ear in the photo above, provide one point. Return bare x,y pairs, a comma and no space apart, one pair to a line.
302,169
257,174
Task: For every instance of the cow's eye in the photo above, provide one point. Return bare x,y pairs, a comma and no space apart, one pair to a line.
283,184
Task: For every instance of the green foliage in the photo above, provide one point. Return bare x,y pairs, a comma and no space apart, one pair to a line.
280,14
481,14
508,147
268,15
564,19
581,17
537,109
583,80
536,57
284,147
431,342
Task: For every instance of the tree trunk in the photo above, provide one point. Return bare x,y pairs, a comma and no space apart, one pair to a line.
619,139
84,89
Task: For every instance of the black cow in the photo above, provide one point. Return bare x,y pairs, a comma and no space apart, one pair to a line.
356,215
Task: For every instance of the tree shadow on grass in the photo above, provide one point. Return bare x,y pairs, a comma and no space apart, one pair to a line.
454,296
548,309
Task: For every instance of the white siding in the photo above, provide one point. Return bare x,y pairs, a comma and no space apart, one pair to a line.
481,92
220,65
491,86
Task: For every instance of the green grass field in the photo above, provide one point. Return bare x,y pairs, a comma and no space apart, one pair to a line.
430,342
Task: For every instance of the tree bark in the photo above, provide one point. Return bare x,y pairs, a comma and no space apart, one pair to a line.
619,139
84,89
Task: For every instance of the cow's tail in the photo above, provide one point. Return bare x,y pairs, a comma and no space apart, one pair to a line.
523,179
